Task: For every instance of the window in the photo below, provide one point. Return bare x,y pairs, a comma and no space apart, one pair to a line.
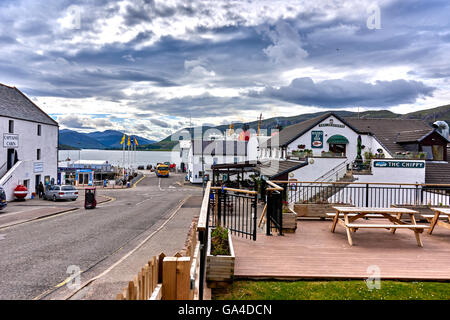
11,126
38,155
39,130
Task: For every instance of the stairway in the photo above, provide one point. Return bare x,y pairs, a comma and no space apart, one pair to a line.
327,191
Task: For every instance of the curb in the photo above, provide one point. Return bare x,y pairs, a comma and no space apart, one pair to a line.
38,218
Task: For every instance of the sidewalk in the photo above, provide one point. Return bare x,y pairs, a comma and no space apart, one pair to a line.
19,212
168,239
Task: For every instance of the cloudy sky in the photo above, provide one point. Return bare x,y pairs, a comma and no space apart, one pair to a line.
148,67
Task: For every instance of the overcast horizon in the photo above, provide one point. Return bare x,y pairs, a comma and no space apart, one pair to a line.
150,67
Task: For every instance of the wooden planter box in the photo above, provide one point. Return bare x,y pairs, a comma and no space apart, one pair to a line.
316,210
289,221
219,269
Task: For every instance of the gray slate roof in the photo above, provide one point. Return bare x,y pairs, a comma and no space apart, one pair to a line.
275,168
437,173
14,104
386,131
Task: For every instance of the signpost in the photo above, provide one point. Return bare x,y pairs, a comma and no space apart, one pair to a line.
316,139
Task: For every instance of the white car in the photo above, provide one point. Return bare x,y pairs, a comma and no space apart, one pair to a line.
65,192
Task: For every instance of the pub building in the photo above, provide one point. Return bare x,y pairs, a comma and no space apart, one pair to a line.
330,148
30,143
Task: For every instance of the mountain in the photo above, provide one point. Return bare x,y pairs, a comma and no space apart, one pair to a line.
112,138
429,115
78,140
109,139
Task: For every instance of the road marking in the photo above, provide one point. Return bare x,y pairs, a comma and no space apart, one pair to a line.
2,236
129,253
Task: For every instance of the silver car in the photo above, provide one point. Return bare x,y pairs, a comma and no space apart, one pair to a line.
65,192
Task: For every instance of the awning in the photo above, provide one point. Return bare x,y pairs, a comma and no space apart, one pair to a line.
337,139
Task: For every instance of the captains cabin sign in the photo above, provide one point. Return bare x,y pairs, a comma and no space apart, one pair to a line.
10,140
399,164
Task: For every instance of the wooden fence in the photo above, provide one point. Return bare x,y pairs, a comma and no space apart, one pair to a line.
168,278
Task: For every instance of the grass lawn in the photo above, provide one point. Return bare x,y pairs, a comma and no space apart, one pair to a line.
335,290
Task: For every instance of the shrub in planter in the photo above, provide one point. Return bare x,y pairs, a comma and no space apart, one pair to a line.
220,256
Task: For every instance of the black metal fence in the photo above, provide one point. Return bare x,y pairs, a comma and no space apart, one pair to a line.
235,211
274,214
367,195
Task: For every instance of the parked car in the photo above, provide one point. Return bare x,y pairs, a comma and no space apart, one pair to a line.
3,202
64,192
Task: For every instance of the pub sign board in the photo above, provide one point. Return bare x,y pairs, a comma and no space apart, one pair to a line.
399,164
10,141
316,139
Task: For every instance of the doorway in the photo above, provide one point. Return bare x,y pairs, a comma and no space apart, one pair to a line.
10,159
36,182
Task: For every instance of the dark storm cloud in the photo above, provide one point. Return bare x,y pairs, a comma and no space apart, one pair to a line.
160,123
345,93
204,106
235,52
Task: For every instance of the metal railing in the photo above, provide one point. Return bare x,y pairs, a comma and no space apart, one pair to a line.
234,209
367,194
274,196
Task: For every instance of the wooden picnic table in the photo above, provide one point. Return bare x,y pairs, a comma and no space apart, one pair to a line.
350,214
435,220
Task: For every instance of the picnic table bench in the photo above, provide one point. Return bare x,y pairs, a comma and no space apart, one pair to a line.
351,214
435,220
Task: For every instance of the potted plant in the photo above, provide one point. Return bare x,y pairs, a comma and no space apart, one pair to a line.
220,256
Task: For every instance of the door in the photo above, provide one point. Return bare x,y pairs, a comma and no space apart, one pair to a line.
10,159
36,182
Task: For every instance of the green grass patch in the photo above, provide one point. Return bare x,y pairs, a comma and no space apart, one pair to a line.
335,290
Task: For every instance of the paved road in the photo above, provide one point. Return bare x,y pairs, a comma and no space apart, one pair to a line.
34,256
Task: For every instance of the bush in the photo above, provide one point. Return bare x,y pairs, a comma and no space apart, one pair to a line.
219,242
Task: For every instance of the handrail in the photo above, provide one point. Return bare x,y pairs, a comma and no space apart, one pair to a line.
335,169
365,183
274,186
235,190
202,219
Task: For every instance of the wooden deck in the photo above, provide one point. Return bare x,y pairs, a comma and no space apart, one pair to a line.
313,252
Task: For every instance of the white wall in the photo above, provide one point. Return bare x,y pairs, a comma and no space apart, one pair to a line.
317,167
29,142
394,175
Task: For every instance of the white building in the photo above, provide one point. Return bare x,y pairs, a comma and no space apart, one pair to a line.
30,143
394,150
203,154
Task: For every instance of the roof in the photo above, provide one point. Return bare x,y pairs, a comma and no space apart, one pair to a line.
437,173
220,147
290,133
276,168
412,135
14,104
386,131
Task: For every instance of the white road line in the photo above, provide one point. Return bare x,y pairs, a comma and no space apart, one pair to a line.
129,253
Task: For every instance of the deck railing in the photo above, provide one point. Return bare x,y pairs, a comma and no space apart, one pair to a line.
366,194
